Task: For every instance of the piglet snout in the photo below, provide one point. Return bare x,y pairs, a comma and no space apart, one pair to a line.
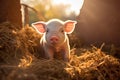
54,39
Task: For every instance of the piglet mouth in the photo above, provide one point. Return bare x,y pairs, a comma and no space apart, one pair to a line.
54,42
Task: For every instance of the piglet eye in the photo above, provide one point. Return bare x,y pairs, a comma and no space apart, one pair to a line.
47,30
62,31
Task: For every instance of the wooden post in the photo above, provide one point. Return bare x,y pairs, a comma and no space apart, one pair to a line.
11,11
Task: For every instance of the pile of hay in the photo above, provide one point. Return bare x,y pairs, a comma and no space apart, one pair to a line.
19,55
15,43
9,43
91,65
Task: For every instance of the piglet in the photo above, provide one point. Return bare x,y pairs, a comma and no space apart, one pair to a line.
55,39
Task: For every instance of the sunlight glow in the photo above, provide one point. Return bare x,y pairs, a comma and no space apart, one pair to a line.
25,62
75,5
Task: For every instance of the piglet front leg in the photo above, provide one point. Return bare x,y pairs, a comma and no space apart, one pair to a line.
66,54
49,54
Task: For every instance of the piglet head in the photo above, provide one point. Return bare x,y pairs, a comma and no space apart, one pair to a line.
55,30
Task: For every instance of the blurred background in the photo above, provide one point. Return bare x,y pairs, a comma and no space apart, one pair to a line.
45,10
98,21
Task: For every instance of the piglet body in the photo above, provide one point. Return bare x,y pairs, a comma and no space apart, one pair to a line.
55,39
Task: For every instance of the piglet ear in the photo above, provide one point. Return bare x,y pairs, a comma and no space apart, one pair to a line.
39,26
69,26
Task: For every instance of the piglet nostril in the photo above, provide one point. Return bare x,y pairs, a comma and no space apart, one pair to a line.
54,38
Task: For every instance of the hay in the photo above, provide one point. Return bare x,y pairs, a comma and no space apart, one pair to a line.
8,42
14,43
20,60
91,65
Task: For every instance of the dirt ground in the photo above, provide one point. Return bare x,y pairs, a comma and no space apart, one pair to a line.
22,59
